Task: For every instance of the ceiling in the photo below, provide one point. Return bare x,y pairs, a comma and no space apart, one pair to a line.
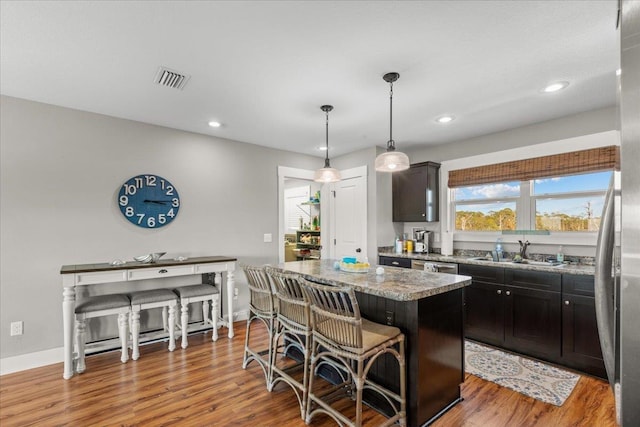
264,68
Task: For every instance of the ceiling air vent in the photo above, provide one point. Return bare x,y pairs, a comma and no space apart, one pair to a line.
170,78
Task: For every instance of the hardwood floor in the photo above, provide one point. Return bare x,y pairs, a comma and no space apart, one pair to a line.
205,385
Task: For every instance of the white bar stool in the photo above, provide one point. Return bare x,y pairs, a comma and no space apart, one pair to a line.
98,306
198,293
144,300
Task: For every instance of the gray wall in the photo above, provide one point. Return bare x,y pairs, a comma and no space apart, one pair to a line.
61,170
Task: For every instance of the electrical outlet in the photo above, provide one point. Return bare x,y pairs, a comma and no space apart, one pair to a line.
235,292
17,328
268,238
388,318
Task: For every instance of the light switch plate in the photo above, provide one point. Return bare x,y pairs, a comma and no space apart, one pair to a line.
268,238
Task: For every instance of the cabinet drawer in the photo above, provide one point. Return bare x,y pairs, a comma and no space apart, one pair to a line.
577,284
94,277
157,272
482,273
533,279
395,262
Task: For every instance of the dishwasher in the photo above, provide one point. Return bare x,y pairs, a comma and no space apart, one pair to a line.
435,266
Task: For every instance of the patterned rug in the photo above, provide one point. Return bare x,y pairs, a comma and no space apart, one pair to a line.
529,377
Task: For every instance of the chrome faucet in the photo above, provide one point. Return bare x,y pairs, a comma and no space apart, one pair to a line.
523,248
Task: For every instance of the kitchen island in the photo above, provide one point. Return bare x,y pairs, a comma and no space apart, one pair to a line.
428,308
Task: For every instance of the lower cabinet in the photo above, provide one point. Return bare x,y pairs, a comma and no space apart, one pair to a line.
550,316
514,309
580,342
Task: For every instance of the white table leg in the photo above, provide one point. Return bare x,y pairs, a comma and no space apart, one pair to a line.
68,307
230,286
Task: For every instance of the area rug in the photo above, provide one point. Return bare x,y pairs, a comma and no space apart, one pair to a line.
529,377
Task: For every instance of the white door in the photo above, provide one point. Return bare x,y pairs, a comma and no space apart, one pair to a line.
349,224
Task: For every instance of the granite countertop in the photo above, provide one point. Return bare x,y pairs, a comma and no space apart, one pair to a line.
588,270
400,284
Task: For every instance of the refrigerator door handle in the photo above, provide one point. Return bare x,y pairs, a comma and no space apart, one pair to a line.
605,282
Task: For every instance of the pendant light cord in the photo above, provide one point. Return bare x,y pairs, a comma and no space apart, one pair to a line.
391,145
326,152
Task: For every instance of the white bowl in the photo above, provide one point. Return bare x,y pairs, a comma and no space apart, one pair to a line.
149,258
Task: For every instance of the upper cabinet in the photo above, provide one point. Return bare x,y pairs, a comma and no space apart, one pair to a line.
416,193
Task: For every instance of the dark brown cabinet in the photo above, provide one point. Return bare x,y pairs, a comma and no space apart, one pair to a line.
416,193
514,309
532,313
484,311
580,342
394,261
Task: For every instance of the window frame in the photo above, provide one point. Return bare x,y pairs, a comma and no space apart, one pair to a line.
525,217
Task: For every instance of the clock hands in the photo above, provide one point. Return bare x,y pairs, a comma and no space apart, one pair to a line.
157,202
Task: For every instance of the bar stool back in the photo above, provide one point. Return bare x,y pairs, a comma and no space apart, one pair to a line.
342,335
199,293
98,306
144,300
292,335
261,309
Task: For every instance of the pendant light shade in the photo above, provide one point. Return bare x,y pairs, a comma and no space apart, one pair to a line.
391,160
327,173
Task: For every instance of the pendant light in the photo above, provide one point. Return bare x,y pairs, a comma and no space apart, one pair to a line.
327,173
391,160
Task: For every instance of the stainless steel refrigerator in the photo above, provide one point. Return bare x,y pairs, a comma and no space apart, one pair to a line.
618,250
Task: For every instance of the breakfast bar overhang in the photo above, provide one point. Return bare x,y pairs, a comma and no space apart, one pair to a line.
428,308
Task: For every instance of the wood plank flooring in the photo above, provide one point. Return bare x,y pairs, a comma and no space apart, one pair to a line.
205,385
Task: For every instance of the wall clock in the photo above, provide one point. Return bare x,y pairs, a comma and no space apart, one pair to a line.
149,201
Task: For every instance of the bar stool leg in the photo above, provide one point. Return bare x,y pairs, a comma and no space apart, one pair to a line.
135,334
80,340
185,321
205,313
214,316
122,329
172,323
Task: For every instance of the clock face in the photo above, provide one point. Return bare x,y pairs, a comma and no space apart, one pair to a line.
148,201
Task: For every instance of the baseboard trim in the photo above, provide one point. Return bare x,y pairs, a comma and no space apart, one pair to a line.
9,365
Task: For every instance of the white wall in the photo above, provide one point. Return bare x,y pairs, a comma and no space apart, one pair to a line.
61,170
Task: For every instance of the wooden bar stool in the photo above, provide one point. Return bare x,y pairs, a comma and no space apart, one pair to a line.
262,310
340,334
292,335
198,293
144,300
98,306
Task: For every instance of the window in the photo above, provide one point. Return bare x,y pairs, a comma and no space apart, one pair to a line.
568,203
294,209
487,207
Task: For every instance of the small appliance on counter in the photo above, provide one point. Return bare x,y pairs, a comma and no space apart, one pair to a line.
422,239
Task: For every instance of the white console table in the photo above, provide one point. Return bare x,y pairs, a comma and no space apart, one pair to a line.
93,274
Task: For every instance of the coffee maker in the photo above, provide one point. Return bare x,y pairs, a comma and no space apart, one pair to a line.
421,237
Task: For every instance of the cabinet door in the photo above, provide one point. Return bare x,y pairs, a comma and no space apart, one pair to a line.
580,342
532,321
484,312
415,193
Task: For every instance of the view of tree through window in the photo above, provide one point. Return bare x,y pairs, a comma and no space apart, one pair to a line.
569,203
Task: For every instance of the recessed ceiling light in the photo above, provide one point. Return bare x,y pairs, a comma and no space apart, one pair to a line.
554,87
214,124
445,119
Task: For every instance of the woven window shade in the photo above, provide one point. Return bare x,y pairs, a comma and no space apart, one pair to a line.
595,159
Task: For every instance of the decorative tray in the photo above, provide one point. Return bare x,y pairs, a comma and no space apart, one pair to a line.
361,267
